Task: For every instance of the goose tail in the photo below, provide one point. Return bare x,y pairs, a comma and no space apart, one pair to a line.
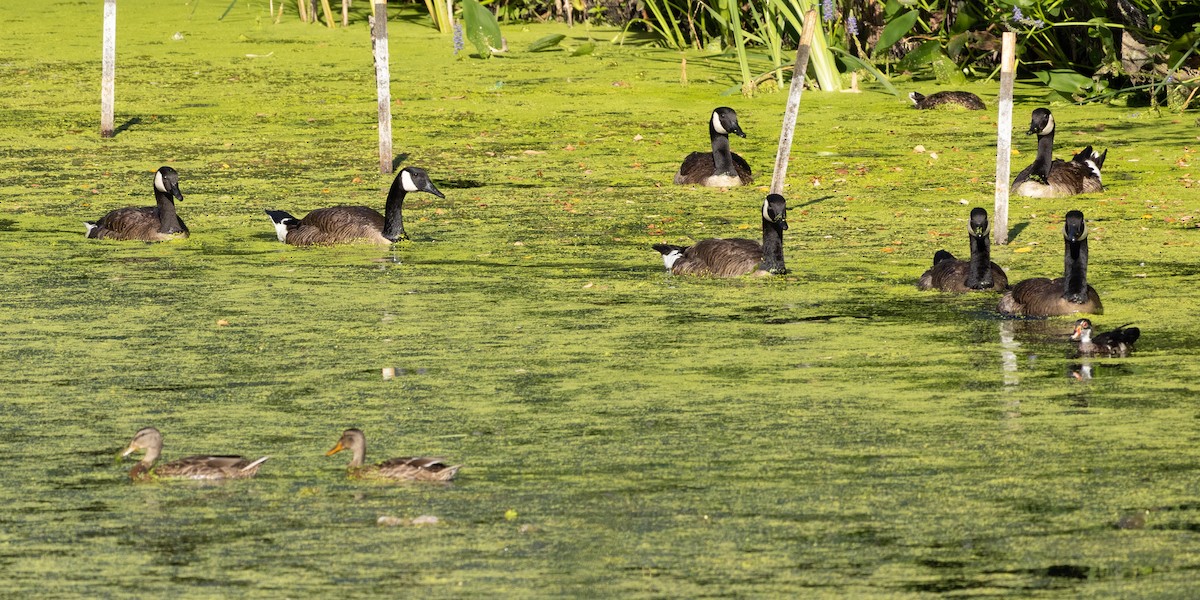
254,465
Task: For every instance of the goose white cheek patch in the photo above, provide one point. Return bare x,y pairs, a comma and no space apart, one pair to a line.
406,182
281,230
158,182
716,123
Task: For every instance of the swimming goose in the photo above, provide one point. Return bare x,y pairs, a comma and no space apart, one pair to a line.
342,224
1050,178
734,257
1118,342
148,223
1042,297
192,467
979,274
965,100
414,468
719,168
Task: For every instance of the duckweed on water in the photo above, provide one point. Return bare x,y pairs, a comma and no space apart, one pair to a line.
833,432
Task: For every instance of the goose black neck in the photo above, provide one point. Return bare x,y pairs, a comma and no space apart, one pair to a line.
979,270
1075,271
1045,156
393,212
772,248
722,157
168,219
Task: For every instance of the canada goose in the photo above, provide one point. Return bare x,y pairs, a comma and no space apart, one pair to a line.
979,274
192,467
1050,178
734,257
148,223
415,468
342,224
719,168
1118,342
1042,297
965,100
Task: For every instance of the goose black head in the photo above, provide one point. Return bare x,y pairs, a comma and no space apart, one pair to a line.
1074,229
775,210
724,122
979,223
415,179
166,180
1042,122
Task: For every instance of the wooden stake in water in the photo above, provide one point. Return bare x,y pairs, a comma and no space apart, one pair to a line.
379,40
1004,137
345,13
793,103
109,68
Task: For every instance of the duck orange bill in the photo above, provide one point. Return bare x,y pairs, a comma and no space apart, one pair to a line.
338,448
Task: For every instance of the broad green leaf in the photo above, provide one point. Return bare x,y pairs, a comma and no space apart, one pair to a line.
584,49
920,57
481,27
547,42
856,62
895,30
1062,80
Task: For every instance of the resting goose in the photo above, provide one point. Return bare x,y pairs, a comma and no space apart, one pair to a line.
1042,297
1050,178
978,274
719,168
148,223
734,257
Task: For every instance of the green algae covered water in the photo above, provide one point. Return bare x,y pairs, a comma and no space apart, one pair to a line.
833,432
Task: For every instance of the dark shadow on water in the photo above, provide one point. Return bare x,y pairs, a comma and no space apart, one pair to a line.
7,225
126,125
1016,231
399,160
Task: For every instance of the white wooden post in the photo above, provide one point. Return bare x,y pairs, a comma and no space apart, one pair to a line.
345,13
793,103
1004,137
109,68
379,40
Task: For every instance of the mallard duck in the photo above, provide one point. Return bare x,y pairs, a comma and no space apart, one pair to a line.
1069,294
736,256
965,100
148,223
192,467
1048,177
343,224
719,168
1118,342
979,274
417,468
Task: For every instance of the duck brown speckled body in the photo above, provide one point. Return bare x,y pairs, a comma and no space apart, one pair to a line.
1069,294
979,274
1118,342
965,100
193,467
734,257
147,223
418,468
345,224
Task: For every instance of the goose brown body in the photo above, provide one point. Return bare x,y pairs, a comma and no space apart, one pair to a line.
192,467
417,468
347,224
1069,294
718,257
1048,177
950,274
145,223
720,167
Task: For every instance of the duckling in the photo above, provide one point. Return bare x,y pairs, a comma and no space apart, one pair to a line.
343,224
149,223
414,468
734,257
1042,297
979,274
192,467
1118,342
965,100
719,168
1051,178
